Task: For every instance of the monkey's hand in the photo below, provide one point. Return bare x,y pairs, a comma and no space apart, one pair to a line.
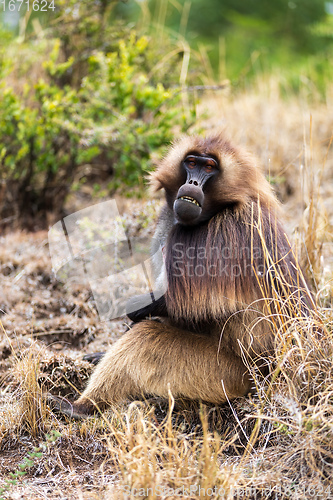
94,357
137,308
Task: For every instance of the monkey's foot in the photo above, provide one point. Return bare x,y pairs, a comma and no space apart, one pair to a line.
71,410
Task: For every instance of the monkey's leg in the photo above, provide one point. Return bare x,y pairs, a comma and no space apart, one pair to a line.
152,355
96,357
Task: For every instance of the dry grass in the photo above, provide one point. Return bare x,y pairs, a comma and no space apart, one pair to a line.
275,444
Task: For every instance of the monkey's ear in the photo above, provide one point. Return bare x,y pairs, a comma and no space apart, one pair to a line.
154,183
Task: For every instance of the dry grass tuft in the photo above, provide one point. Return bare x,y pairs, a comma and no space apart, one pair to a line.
33,406
162,460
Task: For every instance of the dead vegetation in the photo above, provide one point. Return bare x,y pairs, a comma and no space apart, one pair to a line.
276,444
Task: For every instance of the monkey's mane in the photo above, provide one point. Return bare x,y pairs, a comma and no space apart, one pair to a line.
236,259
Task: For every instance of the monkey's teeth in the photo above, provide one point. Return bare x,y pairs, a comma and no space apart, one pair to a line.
191,200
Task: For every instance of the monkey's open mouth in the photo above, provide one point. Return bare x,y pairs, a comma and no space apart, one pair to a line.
190,200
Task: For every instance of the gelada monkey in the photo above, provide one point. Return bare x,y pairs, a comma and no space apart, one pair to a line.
229,272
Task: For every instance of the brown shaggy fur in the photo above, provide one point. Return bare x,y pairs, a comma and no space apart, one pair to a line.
224,276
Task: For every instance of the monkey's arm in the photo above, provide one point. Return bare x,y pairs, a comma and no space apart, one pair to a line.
145,306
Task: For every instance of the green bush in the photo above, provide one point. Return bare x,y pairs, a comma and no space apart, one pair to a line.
92,106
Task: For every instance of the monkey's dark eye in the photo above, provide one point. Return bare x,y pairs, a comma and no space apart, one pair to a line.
190,162
210,165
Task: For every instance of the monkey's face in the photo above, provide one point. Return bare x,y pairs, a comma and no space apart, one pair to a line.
203,176
189,205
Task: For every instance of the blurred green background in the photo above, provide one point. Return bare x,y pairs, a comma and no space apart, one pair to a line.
245,36
91,91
